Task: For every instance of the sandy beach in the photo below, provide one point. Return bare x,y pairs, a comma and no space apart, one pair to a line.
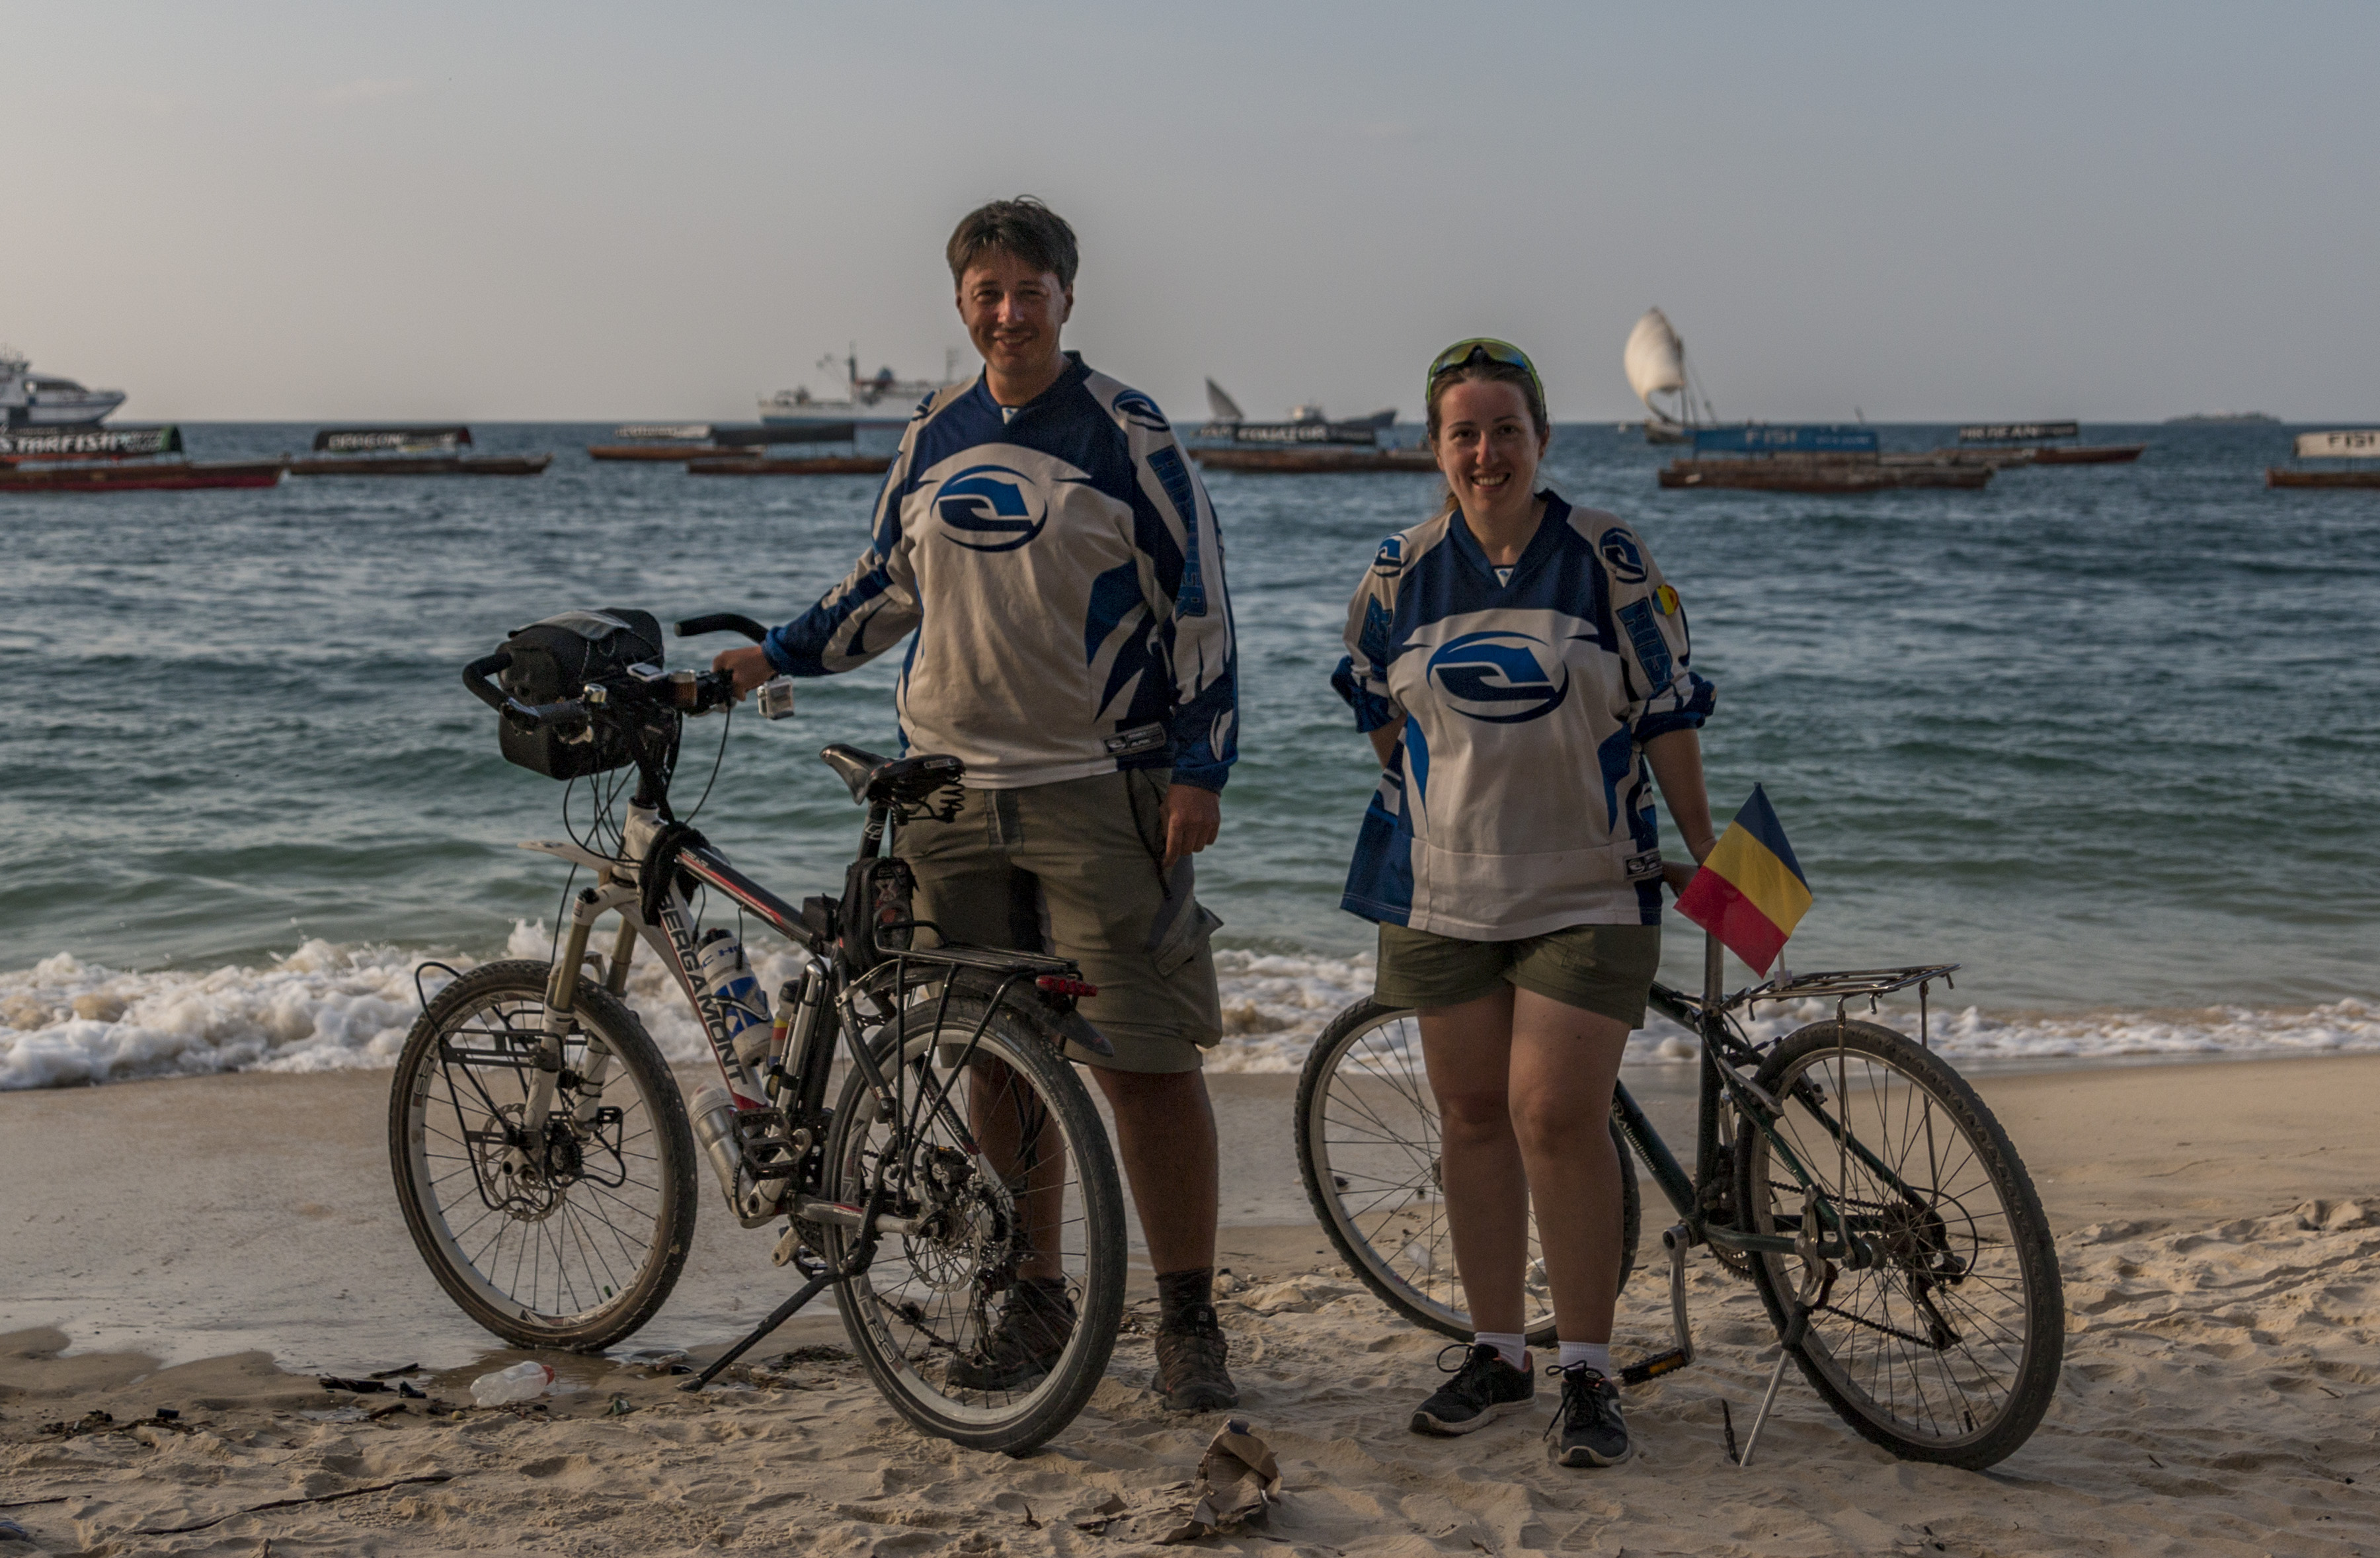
207,1246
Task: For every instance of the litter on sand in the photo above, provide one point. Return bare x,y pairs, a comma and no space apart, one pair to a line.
1238,1480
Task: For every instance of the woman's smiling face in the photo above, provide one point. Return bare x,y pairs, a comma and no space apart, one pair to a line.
1487,447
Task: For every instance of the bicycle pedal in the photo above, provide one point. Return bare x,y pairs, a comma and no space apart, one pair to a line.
1654,1367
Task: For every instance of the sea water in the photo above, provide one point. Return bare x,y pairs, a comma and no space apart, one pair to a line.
2107,736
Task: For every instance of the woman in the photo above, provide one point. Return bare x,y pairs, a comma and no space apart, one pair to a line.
1519,663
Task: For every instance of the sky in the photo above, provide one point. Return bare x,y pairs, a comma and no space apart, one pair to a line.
595,212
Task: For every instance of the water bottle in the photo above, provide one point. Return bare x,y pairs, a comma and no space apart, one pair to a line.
727,975
522,1382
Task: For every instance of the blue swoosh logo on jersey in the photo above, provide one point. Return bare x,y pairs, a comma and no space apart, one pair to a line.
1495,676
992,508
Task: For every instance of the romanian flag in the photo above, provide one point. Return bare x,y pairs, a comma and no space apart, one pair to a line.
1751,892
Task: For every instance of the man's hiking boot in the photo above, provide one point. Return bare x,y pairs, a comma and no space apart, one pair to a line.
1034,1325
1191,1376
1588,1421
1483,1388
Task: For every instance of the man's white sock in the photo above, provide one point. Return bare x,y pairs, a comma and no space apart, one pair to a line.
1511,1343
1595,1354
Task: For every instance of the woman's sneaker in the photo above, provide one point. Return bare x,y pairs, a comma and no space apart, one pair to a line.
1588,1421
1483,1388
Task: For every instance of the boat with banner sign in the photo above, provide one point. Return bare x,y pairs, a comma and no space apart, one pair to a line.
1309,442
816,465
1809,459
1654,359
2032,444
33,400
408,451
885,400
117,459
680,442
2349,444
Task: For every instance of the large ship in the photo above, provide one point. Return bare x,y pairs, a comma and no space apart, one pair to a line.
31,400
881,401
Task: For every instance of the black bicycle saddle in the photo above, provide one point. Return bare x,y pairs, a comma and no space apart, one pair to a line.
895,781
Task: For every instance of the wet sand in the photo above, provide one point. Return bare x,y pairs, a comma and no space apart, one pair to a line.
208,1245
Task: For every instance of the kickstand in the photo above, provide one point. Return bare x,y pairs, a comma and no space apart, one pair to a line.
1814,1283
777,1317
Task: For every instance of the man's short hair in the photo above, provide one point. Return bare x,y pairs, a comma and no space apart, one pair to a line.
1024,227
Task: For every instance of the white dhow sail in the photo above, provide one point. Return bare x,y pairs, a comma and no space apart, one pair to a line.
1656,359
1222,408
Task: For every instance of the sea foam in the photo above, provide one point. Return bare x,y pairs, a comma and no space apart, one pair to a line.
324,1007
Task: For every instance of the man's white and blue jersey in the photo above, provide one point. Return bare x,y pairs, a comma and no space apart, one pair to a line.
1064,576
1517,801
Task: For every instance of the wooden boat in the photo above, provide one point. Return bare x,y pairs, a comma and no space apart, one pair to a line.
1310,459
408,451
2347,444
702,441
1655,361
1810,460
1818,473
822,465
127,477
2005,441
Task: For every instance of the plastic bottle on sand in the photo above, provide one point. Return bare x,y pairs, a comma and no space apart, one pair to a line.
522,1382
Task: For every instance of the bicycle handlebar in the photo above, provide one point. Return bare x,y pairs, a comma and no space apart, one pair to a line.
721,621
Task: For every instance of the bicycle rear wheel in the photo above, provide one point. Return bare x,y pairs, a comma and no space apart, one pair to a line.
1947,1348
1367,1148
571,1237
926,1315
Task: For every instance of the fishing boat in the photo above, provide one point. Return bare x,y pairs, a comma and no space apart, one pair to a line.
408,451
2348,444
1654,359
679,441
885,400
816,465
1312,460
1836,459
2039,443
32,400
1307,443
125,476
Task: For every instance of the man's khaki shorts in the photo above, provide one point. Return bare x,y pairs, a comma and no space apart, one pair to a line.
1602,968
1073,869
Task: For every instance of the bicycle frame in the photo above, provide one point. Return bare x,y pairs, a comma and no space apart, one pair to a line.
1722,1053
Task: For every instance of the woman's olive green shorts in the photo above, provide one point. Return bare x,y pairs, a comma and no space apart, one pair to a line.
1602,968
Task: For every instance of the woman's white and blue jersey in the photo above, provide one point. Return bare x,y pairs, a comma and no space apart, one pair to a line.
1517,801
1064,574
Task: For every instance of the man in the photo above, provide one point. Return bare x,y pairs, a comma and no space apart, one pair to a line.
1050,543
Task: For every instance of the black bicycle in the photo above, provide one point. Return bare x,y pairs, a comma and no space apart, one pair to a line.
544,1156
1846,1170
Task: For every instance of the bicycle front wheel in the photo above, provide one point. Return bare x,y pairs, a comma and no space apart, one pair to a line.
565,1233
1367,1147
1946,1347
989,1316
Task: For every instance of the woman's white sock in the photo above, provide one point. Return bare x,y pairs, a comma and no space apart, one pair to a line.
1511,1343
1595,1354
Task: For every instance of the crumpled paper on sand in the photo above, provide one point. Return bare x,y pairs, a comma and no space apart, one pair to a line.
1238,1480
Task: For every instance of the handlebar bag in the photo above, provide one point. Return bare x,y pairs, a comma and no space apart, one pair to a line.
553,660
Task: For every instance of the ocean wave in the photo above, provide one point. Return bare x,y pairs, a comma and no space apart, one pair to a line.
325,1007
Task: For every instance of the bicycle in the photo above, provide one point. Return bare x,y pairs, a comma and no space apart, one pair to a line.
545,1158
1850,1174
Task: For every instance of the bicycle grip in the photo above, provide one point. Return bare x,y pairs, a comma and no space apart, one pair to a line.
476,674
721,621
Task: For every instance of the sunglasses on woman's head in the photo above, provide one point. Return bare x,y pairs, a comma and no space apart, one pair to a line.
1482,348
